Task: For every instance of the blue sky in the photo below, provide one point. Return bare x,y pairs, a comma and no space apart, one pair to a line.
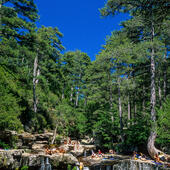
80,22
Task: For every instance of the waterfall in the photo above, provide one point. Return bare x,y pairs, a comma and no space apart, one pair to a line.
42,163
85,154
92,152
108,167
47,164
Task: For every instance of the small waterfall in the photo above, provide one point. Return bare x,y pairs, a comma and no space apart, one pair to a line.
42,163
92,152
47,165
85,153
108,167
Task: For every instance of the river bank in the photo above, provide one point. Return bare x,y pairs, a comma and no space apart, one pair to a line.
35,152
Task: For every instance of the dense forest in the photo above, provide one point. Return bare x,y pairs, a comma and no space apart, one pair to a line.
121,99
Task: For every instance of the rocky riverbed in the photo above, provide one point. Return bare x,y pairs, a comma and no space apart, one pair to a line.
31,152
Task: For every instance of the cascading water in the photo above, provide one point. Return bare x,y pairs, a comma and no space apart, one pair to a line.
42,164
92,152
85,153
45,166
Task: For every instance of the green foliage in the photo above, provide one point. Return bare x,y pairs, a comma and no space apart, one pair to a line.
137,133
10,109
69,167
163,124
74,168
3,145
58,139
25,167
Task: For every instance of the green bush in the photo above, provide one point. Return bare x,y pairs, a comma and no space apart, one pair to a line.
3,145
163,124
25,167
69,167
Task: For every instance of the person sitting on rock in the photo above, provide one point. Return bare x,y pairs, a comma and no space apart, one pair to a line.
156,157
100,153
142,157
135,155
54,150
61,150
48,151
161,156
111,151
93,155
81,165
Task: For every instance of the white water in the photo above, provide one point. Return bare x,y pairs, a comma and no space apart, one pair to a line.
46,166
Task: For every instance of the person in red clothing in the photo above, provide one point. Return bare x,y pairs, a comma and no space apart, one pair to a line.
99,152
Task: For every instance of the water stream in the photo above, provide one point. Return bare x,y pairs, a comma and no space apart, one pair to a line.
46,166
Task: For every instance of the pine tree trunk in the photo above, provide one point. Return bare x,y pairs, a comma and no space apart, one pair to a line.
111,104
120,111
77,97
71,95
165,77
34,84
159,90
129,113
151,144
153,91
135,107
151,140
54,135
62,97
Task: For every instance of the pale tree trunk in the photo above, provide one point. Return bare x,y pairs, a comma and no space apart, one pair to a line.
135,107
71,95
159,90
153,91
77,97
165,77
120,111
129,113
111,104
36,73
151,144
54,135
151,140
62,97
